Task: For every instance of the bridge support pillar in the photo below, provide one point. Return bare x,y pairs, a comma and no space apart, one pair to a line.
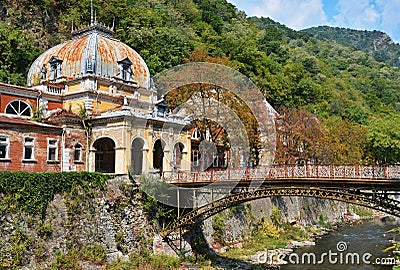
194,199
178,202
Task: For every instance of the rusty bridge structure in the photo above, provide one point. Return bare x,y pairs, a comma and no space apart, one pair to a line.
372,186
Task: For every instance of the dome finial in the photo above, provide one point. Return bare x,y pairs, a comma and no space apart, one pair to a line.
94,25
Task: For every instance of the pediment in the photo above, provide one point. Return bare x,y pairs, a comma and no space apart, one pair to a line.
125,61
54,60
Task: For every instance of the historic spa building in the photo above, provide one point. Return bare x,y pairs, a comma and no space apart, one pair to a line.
90,106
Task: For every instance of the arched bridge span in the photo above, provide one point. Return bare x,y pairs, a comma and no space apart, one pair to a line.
369,186
380,201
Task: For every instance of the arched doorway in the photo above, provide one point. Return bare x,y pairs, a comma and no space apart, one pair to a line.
137,156
178,150
158,155
104,155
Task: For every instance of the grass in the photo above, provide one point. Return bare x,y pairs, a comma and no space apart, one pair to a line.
362,212
262,241
158,261
93,254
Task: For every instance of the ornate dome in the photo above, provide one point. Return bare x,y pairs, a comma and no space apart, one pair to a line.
91,52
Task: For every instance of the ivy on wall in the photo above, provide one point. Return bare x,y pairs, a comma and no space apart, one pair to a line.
31,192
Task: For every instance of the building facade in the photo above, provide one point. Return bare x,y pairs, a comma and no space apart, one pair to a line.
90,106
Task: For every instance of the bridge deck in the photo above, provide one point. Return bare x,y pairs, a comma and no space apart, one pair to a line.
335,176
304,182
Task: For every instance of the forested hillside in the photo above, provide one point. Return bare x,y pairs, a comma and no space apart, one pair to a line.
376,43
354,94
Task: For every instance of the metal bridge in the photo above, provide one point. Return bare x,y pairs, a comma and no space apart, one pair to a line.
371,186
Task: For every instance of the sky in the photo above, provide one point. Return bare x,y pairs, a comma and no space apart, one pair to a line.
382,15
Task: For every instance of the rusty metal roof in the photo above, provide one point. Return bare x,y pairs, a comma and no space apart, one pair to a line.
94,46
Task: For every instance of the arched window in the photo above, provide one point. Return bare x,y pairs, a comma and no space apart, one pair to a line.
178,150
29,149
52,150
215,160
158,155
196,134
19,108
77,152
104,155
137,156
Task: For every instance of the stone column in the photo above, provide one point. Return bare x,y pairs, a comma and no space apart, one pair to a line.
91,160
146,161
120,162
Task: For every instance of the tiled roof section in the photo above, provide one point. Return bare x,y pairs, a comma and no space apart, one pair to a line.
19,121
63,113
14,88
61,116
91,48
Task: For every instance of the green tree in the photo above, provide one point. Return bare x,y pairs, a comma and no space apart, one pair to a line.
17,52
384,138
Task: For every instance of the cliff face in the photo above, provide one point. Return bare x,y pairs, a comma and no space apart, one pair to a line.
97,225
239,223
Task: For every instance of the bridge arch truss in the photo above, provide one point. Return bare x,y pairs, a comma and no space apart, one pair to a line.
381,201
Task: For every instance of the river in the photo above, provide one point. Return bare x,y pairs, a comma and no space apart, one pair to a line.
358,246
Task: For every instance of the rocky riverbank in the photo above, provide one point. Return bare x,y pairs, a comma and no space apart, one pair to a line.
274,258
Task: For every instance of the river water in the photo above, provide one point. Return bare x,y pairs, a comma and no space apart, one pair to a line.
358,246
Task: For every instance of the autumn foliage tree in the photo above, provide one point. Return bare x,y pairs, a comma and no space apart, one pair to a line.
303,138
203,93
300,137
345,142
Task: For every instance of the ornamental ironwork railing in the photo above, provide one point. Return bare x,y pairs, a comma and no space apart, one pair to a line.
275,172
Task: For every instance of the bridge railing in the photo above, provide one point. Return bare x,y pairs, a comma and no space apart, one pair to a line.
275,172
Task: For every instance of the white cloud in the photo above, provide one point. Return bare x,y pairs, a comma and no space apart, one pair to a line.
369,15
380,15
390,22
296,14
362,14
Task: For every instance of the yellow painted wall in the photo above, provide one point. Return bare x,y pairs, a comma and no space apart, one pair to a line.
103,88
74,87
98,107
145,97
73,105
102,106
142,110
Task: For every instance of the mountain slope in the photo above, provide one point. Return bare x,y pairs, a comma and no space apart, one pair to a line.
377,43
